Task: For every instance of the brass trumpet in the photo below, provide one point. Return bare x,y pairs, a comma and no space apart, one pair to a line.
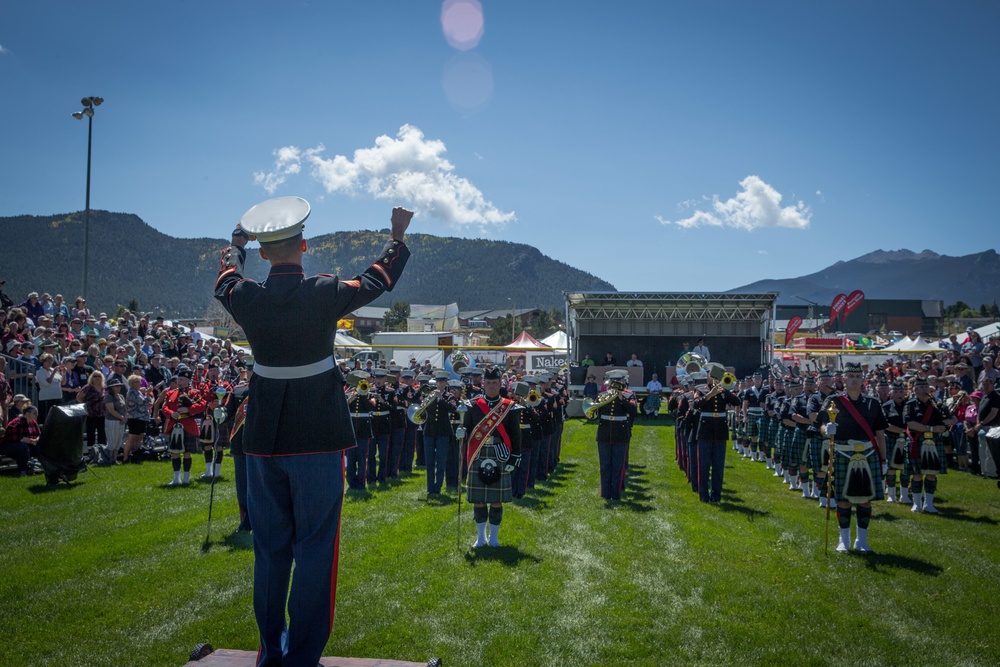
360,385
533,398
728,382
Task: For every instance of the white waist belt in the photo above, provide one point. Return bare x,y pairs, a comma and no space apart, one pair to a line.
293,372
847,446
380,414
361,415
614,419
755,411
713,414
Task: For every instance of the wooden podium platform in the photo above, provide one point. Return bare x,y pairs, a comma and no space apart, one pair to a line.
225,657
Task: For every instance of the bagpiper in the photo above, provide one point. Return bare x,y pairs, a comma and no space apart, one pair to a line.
493,453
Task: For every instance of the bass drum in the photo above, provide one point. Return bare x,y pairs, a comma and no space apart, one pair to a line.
60,444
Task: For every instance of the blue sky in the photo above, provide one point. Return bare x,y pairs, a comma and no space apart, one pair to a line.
663,146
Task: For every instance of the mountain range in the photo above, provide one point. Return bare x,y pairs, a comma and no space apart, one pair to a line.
895,274
130,260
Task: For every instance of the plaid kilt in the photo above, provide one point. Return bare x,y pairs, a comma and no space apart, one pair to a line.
795,448
753,425
913,461
819,448
781,445
840,464
772,431
499,491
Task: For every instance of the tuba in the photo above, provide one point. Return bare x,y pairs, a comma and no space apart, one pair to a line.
590,407
691,363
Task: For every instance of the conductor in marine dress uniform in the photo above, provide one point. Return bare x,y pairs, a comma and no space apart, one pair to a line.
297,421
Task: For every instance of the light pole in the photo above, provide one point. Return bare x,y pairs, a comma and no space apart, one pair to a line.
88,110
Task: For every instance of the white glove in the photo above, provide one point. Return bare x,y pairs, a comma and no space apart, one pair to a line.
885,469
460,433
830,429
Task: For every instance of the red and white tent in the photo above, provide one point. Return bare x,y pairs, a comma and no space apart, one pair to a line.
523,343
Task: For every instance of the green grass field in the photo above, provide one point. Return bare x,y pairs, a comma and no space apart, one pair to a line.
111,572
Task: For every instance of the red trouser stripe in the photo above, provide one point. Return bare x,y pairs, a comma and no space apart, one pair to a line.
336,564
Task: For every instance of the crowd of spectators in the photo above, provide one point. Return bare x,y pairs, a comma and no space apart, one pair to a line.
53,353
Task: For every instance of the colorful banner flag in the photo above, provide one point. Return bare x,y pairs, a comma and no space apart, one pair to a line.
793,326
854,300
836,307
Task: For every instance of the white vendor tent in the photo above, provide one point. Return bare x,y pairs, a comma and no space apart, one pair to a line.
556,340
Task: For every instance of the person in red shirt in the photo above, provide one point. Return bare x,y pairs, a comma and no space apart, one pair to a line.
181,408
20,438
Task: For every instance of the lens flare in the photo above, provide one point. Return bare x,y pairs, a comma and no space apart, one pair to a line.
462,23
468,82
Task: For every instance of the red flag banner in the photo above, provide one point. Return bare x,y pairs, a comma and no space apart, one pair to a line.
837,306
854,300
793,326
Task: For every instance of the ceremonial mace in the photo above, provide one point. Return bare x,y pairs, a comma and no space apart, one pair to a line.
220,393
460,433
832,412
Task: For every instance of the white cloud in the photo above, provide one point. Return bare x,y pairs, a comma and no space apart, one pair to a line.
3,50
288,160
757,205
409,169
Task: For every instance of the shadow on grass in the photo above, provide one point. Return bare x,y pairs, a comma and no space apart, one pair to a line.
956,514
238,540
876,562
509,556
438,500
731,502
531,503
358,495
633,501
49,488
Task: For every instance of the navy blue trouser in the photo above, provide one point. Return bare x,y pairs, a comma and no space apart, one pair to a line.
295,502
612,460
451,465
692,471
396,451
711,464
357,462
379,445
436,460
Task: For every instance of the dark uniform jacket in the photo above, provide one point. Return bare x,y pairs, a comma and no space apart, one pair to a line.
611,428
714,428
361,415
848,428
382,412
511,423
291,320
438,414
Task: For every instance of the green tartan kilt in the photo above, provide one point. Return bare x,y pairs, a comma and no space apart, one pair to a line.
840,464
913,462
781,445
499,491
753,425
771,429
794,452
819,453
